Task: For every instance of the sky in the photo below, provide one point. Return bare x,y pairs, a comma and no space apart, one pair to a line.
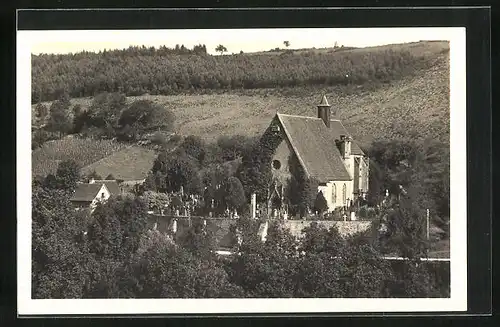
235,40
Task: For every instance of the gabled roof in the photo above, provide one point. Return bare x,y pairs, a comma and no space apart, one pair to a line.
86,192
315,147
111,185
337,129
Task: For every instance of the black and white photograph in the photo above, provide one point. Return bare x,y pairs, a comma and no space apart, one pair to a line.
242,170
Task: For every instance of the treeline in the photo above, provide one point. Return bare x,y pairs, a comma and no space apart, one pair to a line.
110,253
137,71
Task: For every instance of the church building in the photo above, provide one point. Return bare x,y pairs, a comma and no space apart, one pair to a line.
325,151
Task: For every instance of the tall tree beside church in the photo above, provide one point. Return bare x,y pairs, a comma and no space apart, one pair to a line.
301,190
255,172
234,194
320,204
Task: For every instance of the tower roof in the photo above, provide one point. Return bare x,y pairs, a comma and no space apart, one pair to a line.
324,102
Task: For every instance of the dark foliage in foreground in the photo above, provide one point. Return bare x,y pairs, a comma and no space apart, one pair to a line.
111,253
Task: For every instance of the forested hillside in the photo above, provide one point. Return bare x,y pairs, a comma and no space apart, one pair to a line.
140,70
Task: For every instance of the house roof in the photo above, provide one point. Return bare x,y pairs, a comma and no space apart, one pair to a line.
86,192
315,147
111,185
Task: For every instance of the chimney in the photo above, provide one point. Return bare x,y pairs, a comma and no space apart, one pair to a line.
324,111
345,145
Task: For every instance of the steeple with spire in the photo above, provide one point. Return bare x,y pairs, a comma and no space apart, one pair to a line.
324,111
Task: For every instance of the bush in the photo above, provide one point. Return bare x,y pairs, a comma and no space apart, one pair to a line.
158,138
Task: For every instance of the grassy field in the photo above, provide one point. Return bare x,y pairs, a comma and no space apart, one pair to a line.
83,151
131,163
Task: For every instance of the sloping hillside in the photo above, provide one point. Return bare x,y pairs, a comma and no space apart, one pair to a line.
136,71
131,163
414,105
84,151
417,106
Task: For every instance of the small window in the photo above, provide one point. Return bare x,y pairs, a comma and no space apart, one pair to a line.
276,164
102,195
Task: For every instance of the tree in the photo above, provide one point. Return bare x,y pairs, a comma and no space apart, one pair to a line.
59,255
220,48
175,171
106,108
406,227
77,110
301,190
145,115
199,240
286,43
320,204
59,118
68,174
255,172
81,120
233,147
110,177
94,175
41,110
183,275
195,147
39,137
234,193
156,201
117,227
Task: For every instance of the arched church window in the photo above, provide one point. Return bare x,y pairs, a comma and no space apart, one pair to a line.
334,194
344,194
276,164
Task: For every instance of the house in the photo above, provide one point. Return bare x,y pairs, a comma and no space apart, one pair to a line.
112,185
87,195
324,150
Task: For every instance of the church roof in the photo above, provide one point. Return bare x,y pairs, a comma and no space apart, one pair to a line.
315,147
337,129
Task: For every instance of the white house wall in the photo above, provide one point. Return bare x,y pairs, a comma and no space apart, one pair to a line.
364,170
364,174
99,198
336,200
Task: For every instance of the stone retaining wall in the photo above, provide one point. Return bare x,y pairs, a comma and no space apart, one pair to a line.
345,227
